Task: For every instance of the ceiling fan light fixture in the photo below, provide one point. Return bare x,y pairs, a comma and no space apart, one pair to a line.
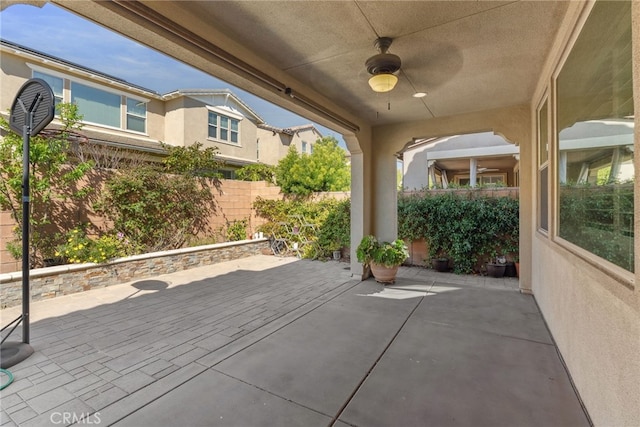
383,82
383,66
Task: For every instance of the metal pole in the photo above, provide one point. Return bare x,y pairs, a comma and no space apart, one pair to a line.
26,133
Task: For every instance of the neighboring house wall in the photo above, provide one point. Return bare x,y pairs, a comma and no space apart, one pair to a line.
175,123
274,143
271,145
495,161
18,68
179,118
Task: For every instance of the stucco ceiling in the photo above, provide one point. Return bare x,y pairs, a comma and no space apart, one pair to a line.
468,56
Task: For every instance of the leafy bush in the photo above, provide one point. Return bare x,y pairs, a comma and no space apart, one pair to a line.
330,219
468,228
257,172
237,230
163,207
156,210
335,232
389,254
79,248
52,181
325,169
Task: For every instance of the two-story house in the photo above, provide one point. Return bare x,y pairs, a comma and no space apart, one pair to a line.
120,114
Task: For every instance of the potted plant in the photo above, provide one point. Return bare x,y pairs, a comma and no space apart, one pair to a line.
440,264
497,266
383,258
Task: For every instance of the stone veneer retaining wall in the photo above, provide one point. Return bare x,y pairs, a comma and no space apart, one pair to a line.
67,279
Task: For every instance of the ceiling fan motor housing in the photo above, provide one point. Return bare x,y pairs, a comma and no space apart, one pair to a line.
383,62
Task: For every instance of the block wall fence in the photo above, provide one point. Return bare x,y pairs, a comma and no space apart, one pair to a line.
234,202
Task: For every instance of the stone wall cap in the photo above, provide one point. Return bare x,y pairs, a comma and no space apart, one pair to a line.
67,268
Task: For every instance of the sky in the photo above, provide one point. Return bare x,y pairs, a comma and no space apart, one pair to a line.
54,31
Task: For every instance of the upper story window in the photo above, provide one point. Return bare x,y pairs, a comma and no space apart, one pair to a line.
136,115
224,128
304,146
56,83
98,105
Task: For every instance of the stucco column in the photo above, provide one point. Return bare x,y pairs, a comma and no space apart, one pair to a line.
361,186
473,172
385,197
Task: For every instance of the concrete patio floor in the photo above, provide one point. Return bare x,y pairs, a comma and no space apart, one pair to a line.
267,341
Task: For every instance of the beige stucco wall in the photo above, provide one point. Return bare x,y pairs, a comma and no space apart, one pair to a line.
174,122
186,122
275,145
592,312
14,72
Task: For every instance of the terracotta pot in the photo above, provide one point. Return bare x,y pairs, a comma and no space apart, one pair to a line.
384,274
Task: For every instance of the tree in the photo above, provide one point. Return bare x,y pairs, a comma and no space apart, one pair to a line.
192,160
52,180
162,207
323,170
256,172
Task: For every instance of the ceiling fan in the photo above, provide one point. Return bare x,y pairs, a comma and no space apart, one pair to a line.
383,67
482,170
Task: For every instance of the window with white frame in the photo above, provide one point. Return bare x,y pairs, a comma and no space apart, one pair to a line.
136,115
224,128
595,128
98,105
543,167
56,83
488,179
304,146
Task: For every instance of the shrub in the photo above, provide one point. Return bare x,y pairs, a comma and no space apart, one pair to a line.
330,220
156,210
389,254
257,172
52,181
79,248
467,228
237,230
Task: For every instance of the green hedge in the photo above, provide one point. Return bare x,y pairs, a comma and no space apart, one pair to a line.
467,228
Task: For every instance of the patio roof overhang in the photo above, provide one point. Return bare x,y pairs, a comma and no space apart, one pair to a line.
309,56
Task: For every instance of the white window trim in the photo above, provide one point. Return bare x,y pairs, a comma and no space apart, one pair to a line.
622,276
502,175
223,112
73,79
87,83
